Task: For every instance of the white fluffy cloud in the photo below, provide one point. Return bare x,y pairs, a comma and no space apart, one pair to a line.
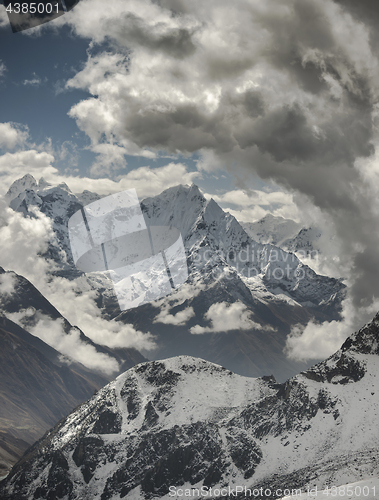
225,317
146,180
110,158
34,81
7,283
12,134
317,341
180,318
22,241
253,204
178,298
38,160
70,344
80,309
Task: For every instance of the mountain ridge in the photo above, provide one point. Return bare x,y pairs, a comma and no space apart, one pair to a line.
226,267
25,413
287,234
207,427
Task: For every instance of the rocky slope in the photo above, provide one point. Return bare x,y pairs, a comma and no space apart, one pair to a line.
34,393
187,423
38,385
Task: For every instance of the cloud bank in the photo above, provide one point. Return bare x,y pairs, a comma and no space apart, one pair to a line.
38,160
224,317
70,344
180,318
23,242
287,90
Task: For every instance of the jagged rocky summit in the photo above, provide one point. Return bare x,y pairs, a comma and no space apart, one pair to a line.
226,266
214,240
187,423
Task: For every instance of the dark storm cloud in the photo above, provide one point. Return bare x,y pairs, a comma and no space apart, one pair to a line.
134,32
284,88
307,27
286,134
254,103
366,275
185,128
303,23
176,7
366,11
219,68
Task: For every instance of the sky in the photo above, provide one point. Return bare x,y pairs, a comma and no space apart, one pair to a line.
39,92
267,106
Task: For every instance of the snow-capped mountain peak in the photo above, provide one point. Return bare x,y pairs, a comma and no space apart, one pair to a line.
88,197
226,266
43,184
20,185
272,229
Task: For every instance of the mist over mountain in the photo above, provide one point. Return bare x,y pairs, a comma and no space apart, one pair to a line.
286,234
262,289
39,384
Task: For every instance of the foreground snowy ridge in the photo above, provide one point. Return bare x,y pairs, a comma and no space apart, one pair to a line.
184,422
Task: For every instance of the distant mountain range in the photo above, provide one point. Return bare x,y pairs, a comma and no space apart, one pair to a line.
181,425
285,233
270,286
237,308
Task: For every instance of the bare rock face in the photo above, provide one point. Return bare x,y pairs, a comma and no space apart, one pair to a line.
187,423
39,386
